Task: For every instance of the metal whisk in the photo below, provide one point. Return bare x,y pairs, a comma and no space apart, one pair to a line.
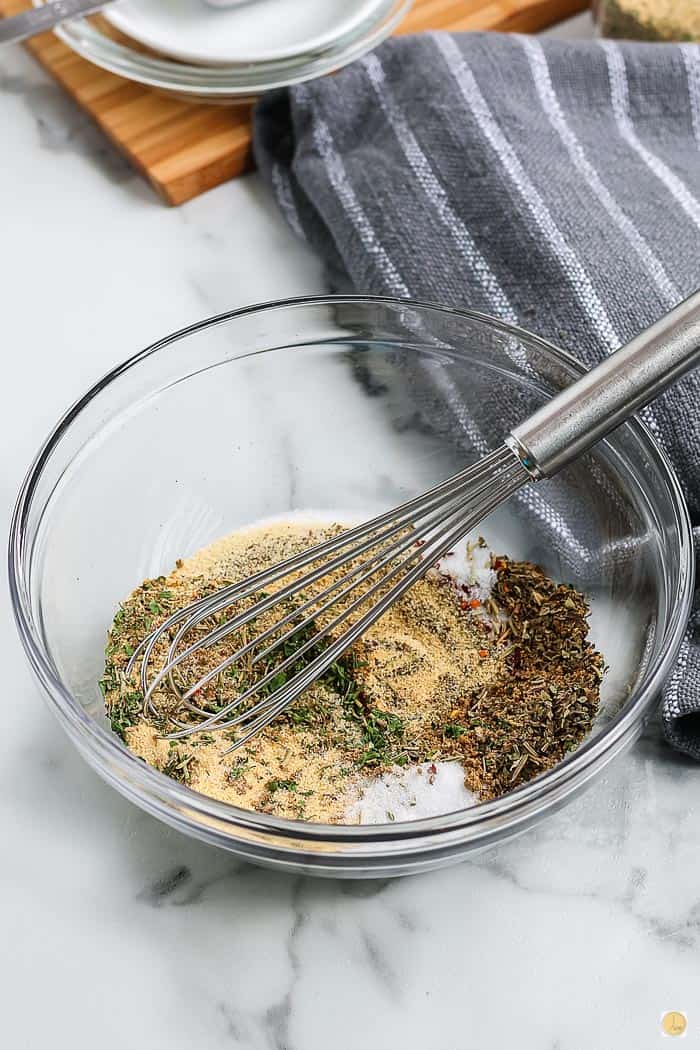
325,598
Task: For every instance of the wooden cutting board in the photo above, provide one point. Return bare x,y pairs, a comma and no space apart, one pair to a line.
185,148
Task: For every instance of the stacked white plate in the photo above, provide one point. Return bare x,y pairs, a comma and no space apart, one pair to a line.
232,49
232,31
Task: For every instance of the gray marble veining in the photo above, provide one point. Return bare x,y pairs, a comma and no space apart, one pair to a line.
61,126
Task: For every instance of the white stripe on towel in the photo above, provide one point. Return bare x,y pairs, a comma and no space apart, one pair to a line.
691,60
567,258
619,93
550,104
434,191
323,140
283,192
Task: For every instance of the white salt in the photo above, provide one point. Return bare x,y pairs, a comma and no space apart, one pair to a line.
431,788
469,565
409,793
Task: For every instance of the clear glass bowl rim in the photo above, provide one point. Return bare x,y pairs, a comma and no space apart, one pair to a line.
242,81
100,746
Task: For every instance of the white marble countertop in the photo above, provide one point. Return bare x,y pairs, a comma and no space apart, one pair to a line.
121,934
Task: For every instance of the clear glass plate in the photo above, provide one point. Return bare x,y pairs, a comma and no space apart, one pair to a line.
100,43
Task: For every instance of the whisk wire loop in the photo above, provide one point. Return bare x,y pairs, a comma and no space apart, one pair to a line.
383,558
378,559
397,519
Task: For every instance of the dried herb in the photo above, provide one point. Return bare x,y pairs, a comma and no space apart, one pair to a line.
180,766
381,731
281,785
506,684
237,770
125,712
650,19
544,703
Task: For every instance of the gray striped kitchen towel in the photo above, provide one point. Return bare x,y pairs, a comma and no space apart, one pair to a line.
554,184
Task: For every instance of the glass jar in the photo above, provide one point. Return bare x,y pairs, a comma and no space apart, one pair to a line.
648,19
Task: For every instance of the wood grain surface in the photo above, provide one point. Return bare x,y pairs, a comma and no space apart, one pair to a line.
184,148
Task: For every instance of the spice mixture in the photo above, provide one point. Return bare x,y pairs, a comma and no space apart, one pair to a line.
477,679
650,19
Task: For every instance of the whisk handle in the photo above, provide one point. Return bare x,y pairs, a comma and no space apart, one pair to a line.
594,405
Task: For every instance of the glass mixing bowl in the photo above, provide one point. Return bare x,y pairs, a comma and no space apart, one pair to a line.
347,405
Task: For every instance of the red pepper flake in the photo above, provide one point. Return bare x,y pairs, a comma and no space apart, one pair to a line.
499,563
473,603
483,653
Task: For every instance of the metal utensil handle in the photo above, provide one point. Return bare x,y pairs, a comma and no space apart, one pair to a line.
39,19
607,395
